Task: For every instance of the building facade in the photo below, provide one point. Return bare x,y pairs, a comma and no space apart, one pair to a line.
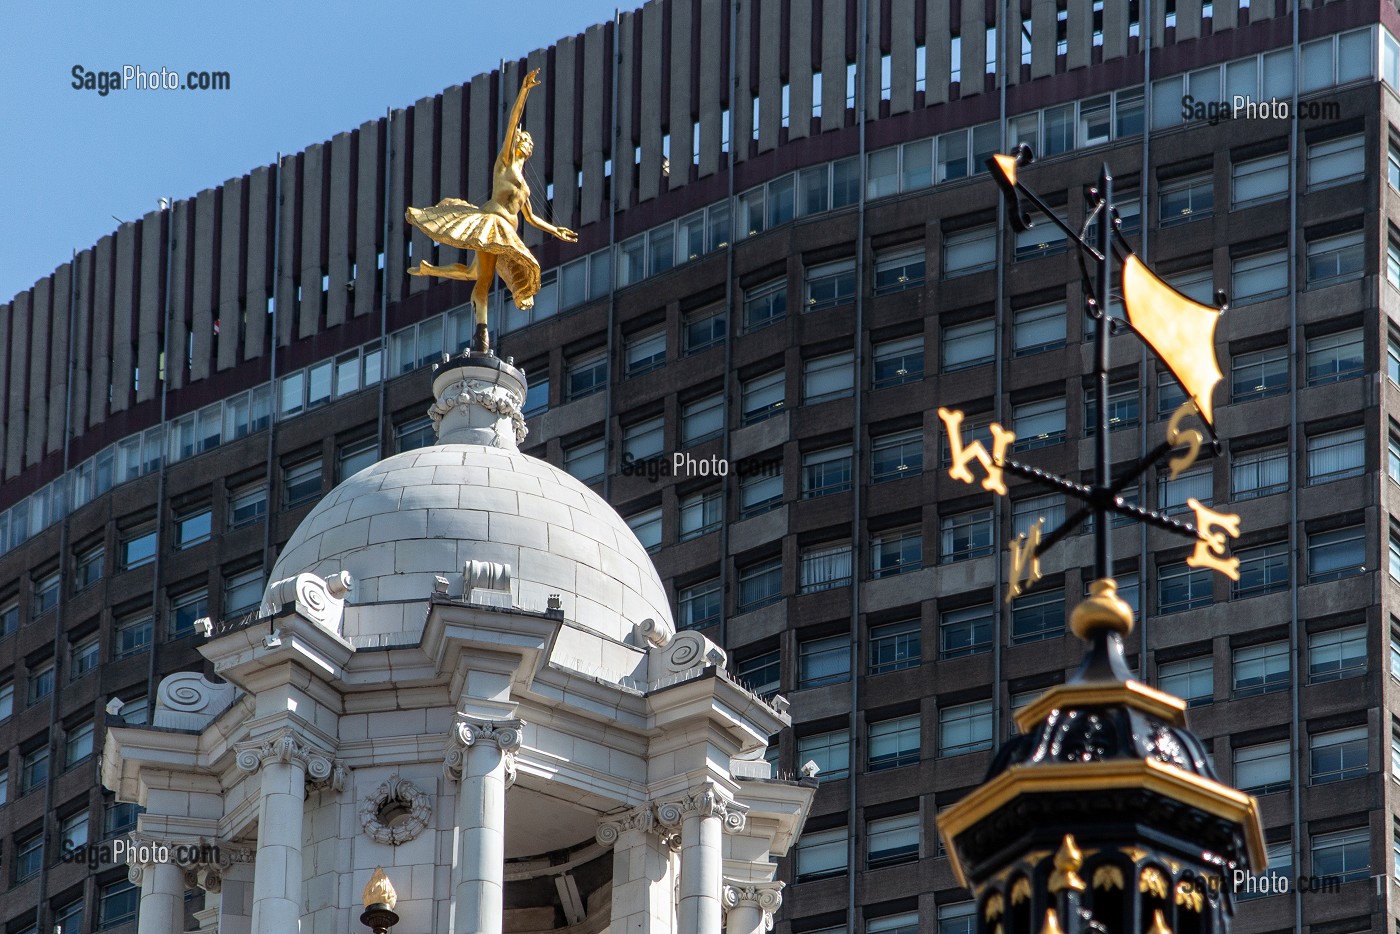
788,260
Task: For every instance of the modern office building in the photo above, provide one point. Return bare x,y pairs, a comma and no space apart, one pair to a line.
788,259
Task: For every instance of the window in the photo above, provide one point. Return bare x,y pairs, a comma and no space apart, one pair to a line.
643,440
760,672
759,493
894,646
9,618
702,420
7,701
585,376
826,472
84,657
1340,653
1122,407
760,584
897,455
1263,769
29,855
832,377
4,783
536,401
705,329
1336,259
896,270
965,728
585,461
242,591
1392,261
831,284
1336,161
765,304
1263,569
830,751
414,434
356,456
1257,277
823,661
646,352
46,593
763,397
132,636
647,527
1336,554
34,770
893,743
1035,330
1259,180
1335,357
301,483
1037,616
1191,679
69,917
1195,284
41,682
1337,755
1170,395
895,552
88,567
1038,424
1044,239
825,567
1258,374
1346,854
118,818
959,918
699,605
1027,511
1184,200
890,841
117,903
701,513
1260,472
138,548
1196,483
967,631
1260,669
192,528
78,746
898,362
969,251
821,853
185,609
969,345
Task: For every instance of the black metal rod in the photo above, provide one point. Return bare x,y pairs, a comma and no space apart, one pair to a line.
1103,555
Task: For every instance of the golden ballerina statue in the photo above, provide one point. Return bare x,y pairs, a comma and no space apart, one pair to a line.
490,231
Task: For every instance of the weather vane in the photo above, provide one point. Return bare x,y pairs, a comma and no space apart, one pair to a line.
1181,335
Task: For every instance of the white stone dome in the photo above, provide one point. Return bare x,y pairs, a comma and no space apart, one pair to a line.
397,525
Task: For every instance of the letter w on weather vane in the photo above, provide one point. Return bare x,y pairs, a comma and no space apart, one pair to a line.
1179,332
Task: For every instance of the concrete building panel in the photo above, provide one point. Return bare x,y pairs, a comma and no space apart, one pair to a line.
17,407
101,329
482,142
232,242
652,107
202,300
396,259
60,359
714,84
680,117
770,78
422,191
903,66
151,313
82,344
597,97
799,39
339,232
938,42
1079,34
123,318
1043,45
261,223
872,60
1115,30
41,326
537,169
833,64
975,54
1188,20
626,137
565,145
369,216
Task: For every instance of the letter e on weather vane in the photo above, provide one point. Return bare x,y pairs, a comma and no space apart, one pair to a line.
1210,547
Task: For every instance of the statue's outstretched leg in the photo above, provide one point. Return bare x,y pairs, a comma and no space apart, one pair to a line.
455,271
486,263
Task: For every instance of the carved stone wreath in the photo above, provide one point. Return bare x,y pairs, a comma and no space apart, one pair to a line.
403,804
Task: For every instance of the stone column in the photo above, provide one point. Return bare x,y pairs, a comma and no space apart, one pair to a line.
481,758
750,906
703,813
642,887
286,761
162,908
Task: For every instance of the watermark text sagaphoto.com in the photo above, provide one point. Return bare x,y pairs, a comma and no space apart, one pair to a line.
140,852
1240,107
134,77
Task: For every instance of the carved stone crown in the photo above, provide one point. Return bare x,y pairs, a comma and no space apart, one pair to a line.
480,399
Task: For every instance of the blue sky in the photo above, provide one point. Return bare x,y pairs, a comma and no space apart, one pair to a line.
72,160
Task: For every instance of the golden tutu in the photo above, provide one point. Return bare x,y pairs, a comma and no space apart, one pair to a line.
462,224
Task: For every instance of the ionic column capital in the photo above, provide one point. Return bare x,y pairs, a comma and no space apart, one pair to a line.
706,800
288,746
766,897
466,733
640,818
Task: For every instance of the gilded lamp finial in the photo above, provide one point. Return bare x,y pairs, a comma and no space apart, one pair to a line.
1102,610
380,891
1068,859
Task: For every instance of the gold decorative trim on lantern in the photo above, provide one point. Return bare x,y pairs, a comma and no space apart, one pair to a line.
1051,924
1133,694
994,907
1108,877
1021,891
1085,778
1153,881
1068,859
1159,924
1189,896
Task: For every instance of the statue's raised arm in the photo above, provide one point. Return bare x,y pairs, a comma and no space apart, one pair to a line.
491,230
